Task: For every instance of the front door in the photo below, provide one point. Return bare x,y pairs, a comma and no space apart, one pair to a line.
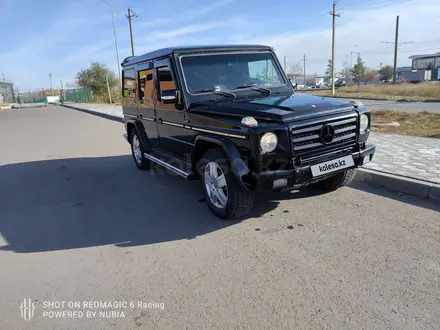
170,121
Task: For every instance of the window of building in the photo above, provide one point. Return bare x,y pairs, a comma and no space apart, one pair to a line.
423,63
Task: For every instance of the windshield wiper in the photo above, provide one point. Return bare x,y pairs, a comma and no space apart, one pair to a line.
255,88
218,92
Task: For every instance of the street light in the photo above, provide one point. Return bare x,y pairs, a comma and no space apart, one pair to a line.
351,52
116,41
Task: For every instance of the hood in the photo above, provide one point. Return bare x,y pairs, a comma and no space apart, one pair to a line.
277,108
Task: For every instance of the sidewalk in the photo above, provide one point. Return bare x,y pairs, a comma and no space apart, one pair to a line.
405,156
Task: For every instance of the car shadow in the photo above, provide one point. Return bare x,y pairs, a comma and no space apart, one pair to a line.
83,202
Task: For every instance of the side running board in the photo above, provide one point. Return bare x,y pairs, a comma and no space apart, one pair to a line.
170,163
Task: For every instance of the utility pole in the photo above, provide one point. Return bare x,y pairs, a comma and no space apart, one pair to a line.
129,16
395,50
396,43
108,88
334,15
304,70
50,78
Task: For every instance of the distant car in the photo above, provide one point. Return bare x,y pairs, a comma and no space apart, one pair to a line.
340,83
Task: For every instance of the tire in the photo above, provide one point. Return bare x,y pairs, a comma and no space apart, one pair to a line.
239,200
339,180
140,161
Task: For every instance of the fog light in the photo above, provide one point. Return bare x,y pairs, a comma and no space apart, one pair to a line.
279,183
367,159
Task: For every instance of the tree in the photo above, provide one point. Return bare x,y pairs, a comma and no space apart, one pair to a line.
94,77
431,68
346,72
358,70
386,73
311,81
369,75
328,72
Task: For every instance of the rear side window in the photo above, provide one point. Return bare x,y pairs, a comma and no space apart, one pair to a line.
129,84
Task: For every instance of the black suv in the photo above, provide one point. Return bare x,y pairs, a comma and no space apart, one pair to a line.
228,116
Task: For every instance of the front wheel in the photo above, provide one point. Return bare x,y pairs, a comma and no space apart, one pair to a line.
224,195
339,180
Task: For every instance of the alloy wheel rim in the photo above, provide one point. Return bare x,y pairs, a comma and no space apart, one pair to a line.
215,184
137,149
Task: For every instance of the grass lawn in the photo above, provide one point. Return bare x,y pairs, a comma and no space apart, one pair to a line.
424,123
414,92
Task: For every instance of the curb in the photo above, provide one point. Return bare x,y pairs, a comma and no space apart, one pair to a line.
392,182
95,113
405,185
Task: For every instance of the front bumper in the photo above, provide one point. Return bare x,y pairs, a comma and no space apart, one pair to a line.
301,176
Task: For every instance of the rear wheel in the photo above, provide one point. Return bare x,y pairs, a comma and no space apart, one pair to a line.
137,151
339,180
224,195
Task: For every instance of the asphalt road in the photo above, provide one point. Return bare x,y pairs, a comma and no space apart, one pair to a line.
413,107
79,223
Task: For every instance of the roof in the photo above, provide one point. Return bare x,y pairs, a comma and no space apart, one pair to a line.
424,56
188,49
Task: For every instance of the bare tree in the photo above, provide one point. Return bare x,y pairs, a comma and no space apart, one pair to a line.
369,75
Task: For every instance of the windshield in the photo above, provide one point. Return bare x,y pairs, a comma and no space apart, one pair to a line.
204,73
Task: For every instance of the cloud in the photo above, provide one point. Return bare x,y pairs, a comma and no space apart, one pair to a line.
365,28
186,30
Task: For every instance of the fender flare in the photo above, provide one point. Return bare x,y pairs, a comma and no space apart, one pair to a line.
238,166
141,132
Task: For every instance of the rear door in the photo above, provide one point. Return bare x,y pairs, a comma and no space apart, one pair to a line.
170,121
146,111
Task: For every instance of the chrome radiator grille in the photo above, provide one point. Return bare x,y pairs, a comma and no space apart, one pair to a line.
307,140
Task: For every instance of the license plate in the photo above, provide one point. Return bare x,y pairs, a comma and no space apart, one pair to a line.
332,166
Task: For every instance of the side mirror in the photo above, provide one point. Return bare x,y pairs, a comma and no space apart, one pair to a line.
168,96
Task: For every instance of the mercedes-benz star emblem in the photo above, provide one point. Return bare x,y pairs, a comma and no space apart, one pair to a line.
327,134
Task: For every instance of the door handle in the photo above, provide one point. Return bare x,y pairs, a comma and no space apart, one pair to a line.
141,116
160,120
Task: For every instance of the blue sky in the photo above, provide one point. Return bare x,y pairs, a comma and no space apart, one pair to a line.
63,37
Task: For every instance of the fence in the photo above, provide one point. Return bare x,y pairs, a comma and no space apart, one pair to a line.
76,95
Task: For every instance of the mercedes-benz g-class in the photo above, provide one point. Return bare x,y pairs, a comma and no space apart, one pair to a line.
228,115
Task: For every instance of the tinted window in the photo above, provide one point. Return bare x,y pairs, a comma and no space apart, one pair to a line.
165,79
145,85
229,71
129,84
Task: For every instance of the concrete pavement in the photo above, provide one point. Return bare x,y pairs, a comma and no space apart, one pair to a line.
79,222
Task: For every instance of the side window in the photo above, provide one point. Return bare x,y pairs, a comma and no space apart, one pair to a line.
129,84
165,80
145,90
264,71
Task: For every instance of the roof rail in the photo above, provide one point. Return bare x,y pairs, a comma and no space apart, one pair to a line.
127,58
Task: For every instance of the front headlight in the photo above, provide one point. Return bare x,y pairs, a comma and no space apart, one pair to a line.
268,142
363,123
